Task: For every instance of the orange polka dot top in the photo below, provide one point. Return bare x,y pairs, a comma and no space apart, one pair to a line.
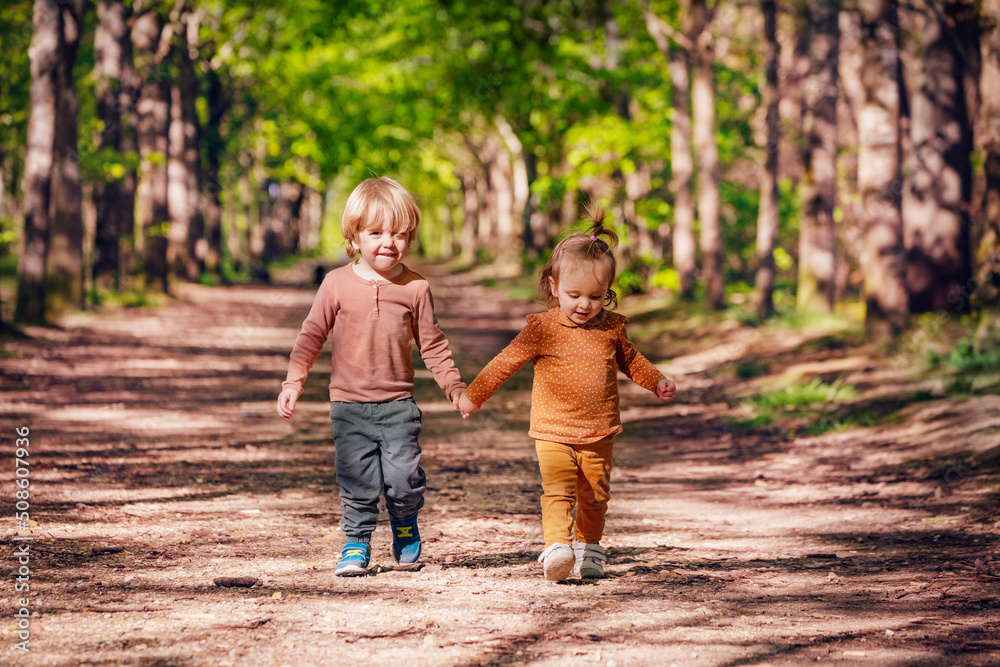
574,398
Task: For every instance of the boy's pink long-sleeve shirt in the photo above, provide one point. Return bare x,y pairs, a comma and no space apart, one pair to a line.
372,325
574,398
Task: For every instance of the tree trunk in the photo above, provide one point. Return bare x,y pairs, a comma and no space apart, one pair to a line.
678,51
817,233
275,228
218,105
793,33
987,297
64,260
45,54
534,235
187,247
470,214
682,171
153,110
114,195
938,192
517,183
703,111
486,230
287,213
249,178
879,176
767,215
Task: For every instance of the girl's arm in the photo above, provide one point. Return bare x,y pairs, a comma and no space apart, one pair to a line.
522,349
636,367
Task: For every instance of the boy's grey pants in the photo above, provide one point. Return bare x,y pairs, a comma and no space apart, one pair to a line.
377,450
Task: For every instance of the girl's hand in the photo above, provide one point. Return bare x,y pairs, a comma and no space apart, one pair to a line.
286,402
466,406
665,390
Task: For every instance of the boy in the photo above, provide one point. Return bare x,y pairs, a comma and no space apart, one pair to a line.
375,308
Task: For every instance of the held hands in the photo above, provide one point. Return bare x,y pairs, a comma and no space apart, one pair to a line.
286,402
463,404
665,390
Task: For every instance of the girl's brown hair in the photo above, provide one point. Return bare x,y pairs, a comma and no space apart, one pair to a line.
579,250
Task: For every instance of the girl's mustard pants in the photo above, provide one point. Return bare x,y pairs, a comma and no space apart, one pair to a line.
574,475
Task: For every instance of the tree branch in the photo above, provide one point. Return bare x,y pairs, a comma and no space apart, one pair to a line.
661,31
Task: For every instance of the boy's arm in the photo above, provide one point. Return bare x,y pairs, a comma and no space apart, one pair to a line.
310,340
522,349
433,346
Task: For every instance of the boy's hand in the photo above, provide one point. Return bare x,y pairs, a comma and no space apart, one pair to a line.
286,402
665,390
466,406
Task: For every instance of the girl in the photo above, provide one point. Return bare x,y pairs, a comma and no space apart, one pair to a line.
376,308
578,348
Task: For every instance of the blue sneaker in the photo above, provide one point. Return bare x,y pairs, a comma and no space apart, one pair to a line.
354,559
405,540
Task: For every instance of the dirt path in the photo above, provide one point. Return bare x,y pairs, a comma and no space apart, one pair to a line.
157,465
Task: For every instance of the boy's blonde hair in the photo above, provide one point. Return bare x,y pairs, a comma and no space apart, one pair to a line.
587,250
371,202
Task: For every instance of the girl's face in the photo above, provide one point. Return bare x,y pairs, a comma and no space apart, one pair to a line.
383,249
580,293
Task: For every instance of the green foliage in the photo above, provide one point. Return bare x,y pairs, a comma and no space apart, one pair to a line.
801,396
15,83
628,282
329,92
967,356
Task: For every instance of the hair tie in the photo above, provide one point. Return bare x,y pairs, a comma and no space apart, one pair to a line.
593,238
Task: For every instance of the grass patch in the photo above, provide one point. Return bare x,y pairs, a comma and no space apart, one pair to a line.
802,401
801,396
967,357
129,298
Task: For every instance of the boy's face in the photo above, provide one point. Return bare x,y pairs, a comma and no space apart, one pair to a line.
383,249
580,293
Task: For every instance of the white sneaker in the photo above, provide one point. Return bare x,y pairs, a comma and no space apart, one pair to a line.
558,560
590,559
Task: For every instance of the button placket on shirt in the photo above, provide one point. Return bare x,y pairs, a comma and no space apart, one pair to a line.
375,299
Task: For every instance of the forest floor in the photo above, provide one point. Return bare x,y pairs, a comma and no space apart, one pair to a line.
860,531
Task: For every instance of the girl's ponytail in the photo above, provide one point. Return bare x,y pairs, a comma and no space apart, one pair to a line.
597,216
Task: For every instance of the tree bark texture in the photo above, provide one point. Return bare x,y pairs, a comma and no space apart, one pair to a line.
703,112
987,280
114,194
679,52
938,190
879,175
187,245
767,215
64,260
153,111
44,53
817,275
470,214
681,174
